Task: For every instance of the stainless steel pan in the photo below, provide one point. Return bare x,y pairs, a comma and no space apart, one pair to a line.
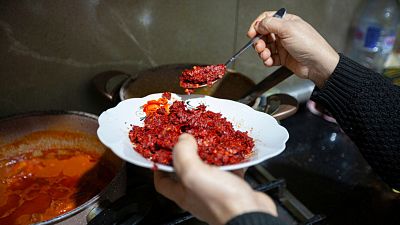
19,127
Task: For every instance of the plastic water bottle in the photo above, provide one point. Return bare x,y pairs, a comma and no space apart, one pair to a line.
374,33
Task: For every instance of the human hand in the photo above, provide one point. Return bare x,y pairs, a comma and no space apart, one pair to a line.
292,42
210,194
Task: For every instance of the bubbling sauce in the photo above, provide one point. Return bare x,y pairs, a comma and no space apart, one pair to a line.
41,185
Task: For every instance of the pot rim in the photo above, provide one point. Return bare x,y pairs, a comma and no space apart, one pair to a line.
49,112
95,198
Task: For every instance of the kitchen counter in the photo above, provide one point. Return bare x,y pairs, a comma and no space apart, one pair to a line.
327,173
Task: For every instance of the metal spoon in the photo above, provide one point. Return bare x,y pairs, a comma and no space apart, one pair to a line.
279,14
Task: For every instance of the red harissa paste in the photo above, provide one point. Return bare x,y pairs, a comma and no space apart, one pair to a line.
218,143
201,75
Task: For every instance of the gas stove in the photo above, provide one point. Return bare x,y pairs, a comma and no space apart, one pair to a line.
143,205
323,173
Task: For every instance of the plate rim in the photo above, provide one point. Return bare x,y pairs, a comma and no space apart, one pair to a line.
151,165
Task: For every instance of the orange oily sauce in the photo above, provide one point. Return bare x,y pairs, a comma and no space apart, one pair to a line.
41,185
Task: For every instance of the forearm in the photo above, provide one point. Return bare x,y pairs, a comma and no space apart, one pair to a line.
367,107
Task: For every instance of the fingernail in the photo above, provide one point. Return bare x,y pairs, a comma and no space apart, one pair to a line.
184,136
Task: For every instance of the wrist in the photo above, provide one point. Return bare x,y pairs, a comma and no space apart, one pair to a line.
256,202
325,69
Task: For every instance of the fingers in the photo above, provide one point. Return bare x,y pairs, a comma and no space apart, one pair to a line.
266,203
168,186
273,60
240,172
252,32
185,155
263,47
185,158
270,25
259,46
269,54
269,62
266,47
265,55
274,54
271,40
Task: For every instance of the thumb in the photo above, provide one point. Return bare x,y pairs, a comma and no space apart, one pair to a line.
270,25
185,154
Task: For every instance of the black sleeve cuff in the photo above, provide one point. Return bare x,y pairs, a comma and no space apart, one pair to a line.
255,218
345,84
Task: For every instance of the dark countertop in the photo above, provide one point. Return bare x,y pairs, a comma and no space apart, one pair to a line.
327,173
322,168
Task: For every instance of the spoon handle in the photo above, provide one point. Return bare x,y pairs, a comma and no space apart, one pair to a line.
279,14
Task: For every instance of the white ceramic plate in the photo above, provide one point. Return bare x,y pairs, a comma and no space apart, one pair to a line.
115,123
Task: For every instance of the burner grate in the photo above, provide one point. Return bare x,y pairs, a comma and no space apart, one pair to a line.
143,205
290,209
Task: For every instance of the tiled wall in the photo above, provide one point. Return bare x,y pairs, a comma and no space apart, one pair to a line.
50,50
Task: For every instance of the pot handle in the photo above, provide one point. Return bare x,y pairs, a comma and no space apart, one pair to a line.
109,83
267,83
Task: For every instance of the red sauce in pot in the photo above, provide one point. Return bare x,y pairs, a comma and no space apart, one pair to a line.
198,76
41,185
218,143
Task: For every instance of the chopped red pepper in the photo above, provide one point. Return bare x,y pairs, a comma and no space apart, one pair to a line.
218,142
166,95
154,105
199,76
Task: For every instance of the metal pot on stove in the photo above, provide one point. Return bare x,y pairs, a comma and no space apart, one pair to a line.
117,86
54,169
165,78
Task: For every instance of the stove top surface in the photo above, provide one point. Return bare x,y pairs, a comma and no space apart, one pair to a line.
320,178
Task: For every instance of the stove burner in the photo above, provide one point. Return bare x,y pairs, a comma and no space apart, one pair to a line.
143,205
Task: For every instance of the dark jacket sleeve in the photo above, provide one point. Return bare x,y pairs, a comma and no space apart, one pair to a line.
255,218
367,107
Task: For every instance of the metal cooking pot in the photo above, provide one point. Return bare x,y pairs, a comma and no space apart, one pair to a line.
117,85
18,127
